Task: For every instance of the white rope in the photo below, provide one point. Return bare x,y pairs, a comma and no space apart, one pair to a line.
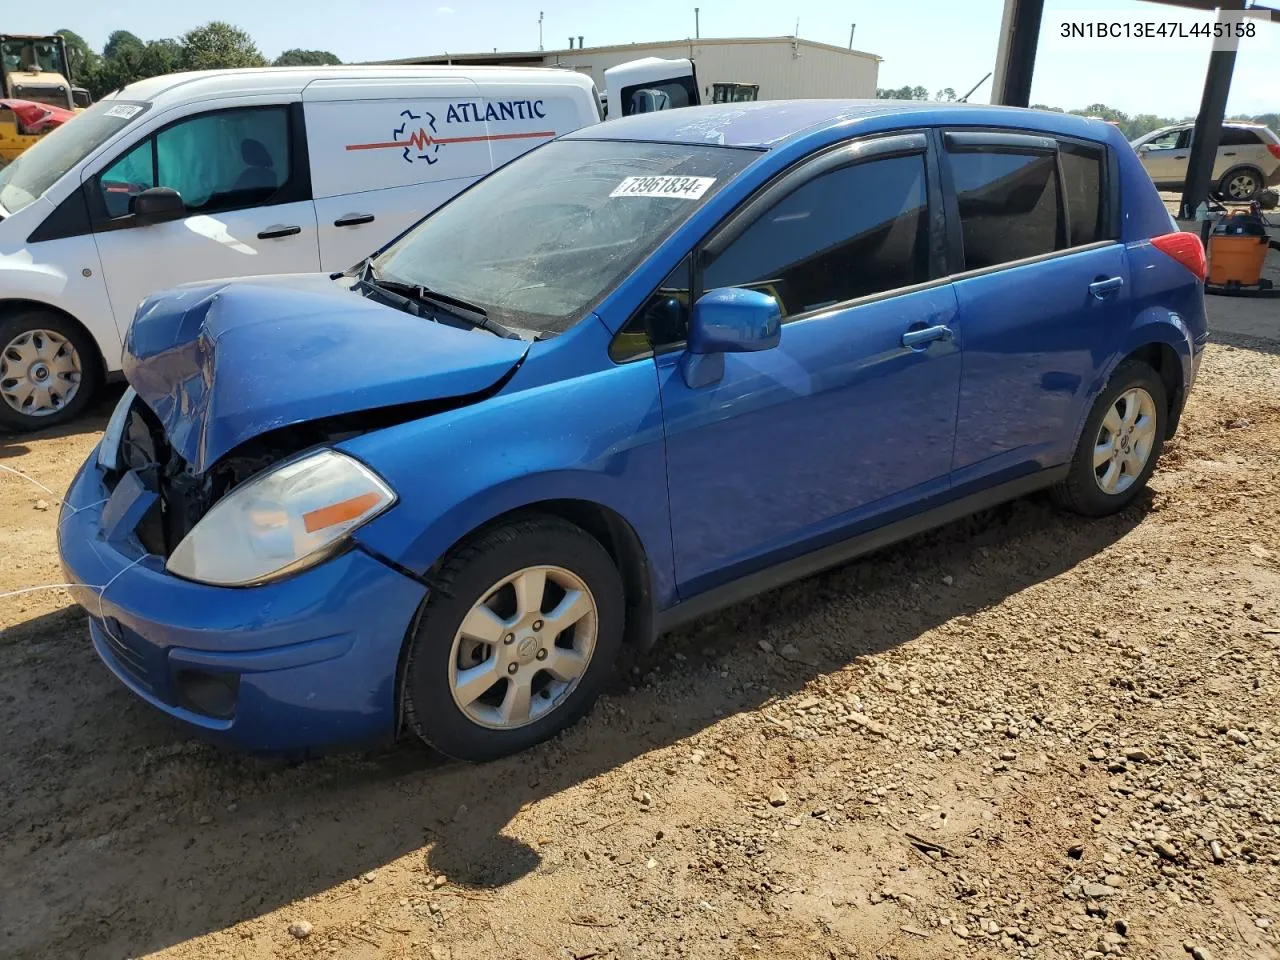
47,586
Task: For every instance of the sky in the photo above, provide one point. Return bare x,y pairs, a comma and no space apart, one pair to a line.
931,43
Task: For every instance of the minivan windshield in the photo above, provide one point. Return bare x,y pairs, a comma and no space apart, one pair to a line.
540,241
41,166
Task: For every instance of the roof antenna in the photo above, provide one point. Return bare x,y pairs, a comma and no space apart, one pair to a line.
965,98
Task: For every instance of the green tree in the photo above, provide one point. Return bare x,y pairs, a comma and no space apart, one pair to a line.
902,93
119,42
218,45
306,58
159,57
80,55
946,94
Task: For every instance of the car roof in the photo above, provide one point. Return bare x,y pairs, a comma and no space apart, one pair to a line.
175,88
771,123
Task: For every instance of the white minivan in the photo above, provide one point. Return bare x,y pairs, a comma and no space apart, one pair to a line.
200,176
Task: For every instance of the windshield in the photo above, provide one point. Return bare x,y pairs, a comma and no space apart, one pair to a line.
539,242
43,164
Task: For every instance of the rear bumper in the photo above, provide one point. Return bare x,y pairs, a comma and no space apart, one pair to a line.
307,662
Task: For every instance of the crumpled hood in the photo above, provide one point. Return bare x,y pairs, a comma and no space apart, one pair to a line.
222,362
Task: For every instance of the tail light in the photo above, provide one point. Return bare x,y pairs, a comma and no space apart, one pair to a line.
1186,248
1274,150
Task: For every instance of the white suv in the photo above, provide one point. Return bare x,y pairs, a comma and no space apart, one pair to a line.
1248,158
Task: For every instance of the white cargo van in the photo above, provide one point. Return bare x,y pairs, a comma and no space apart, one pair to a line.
227,173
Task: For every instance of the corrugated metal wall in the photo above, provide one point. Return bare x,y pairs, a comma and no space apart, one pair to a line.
784,71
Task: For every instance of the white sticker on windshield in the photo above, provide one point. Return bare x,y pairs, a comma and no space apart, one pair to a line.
683,188
124,111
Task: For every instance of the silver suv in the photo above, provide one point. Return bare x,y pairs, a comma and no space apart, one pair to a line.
1248,158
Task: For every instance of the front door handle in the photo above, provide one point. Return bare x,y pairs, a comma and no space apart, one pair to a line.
1104,285
915,339
1179,156
353,219
275,231
1229,153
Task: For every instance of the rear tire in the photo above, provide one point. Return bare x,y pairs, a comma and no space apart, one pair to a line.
49,370
1241,184
1119,445
516,641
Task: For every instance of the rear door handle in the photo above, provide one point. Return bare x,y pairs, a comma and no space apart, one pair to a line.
278,230
919,338
1229,153
1101,287
353,219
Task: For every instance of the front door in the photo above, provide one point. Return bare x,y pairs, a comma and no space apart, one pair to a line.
248,200
1043,296
841,423
1165,157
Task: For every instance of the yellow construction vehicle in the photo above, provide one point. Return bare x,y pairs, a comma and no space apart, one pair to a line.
36,92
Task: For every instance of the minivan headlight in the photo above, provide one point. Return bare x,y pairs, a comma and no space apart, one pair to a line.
286,519
109,445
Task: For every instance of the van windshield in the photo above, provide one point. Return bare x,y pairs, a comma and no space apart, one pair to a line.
539,243
43,164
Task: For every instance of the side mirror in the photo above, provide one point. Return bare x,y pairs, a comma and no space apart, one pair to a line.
157,205
728,320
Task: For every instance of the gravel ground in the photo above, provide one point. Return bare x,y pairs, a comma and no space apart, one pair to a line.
1024,735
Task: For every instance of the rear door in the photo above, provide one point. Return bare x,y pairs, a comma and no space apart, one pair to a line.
1043,294
242,172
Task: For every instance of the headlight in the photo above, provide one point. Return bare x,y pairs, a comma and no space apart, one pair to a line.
284,520
109,446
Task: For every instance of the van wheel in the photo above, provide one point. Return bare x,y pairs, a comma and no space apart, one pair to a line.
1119,445
517,638
1241,184
49,370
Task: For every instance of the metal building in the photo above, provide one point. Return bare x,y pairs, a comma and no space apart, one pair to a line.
785,68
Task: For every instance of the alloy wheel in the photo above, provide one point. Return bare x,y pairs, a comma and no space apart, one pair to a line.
39,373
1125,440
1242,186
523,647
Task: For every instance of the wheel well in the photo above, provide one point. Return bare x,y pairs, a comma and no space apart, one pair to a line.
12,306
1164,360
1252,168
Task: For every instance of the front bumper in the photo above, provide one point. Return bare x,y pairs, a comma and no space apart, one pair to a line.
307,662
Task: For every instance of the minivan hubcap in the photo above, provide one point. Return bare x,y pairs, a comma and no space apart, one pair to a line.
1242,186
523,648
39,373
1125,441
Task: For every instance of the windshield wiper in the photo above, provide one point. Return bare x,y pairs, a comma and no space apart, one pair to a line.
469,313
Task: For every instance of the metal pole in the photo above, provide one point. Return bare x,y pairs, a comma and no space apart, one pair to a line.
1208,128
697,26
539,30
852,27
1016,53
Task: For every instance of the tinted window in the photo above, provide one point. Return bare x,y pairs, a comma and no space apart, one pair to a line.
663,319
1009,206
1238,137
853,232
1082,184
664,95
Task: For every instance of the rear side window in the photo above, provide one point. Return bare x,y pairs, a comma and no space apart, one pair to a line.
1239,137
1082,176
849,233
1009,204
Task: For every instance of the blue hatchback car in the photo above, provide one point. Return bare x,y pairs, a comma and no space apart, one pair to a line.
642,372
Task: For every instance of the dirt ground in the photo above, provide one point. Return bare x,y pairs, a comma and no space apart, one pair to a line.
1024,735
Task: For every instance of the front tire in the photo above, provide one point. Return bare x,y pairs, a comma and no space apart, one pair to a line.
49,370
1119,445
516,641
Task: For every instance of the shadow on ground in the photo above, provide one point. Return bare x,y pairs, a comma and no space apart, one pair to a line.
93,420
120,836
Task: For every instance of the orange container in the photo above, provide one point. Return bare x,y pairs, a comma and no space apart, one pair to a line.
1236,260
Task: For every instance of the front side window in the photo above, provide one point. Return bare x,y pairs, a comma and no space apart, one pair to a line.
1166,141
216,161
1009,204
540,241
664,95
849,233
44,163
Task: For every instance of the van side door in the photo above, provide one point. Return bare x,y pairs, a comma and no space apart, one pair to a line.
384,153
241,171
